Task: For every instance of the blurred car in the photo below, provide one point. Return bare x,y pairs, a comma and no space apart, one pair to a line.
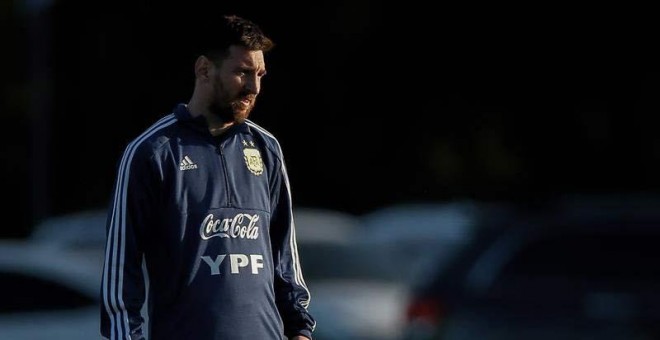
413,237
324,226
47,293
400,242
571,270
360,285
81,230
349,298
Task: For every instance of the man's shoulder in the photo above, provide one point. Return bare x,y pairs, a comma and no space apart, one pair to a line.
154,136
260,130
266,136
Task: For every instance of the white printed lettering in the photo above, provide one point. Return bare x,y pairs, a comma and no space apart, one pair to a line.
240,226
214,265
257,262
236,262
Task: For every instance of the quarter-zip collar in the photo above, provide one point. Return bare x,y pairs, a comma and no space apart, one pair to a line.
200,124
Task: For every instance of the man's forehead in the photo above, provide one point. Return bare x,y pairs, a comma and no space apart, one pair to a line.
242,55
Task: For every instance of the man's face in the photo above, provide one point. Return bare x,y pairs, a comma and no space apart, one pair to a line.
236,82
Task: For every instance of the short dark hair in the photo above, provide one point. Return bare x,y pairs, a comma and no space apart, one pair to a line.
219,35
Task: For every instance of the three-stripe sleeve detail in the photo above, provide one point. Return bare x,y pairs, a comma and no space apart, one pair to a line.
113,273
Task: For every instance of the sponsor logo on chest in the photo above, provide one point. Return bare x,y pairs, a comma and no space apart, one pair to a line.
240,226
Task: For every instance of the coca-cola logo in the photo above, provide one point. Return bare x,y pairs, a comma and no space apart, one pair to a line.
240,226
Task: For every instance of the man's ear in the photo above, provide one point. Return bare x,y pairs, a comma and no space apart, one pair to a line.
203,68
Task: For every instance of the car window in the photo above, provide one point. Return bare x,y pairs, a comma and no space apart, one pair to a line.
608,256
579,262
24,293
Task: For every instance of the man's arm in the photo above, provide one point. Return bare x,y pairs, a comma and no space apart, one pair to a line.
292,295
123,284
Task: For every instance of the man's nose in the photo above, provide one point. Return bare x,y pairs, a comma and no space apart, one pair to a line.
253,85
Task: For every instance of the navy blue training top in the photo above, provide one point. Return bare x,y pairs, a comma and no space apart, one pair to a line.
211,217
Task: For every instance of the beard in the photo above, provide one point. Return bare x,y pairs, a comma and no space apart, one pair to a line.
228,107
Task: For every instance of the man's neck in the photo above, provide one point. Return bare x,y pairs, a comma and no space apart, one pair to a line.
217,131
216,126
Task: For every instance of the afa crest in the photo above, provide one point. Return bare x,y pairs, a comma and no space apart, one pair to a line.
253,160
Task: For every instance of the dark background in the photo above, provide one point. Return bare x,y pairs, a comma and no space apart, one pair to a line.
373,103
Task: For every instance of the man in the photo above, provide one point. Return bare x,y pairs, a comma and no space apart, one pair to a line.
202,200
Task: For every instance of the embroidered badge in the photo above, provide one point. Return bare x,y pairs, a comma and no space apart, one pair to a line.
253,159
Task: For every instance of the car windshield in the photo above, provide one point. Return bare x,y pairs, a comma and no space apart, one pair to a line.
598,255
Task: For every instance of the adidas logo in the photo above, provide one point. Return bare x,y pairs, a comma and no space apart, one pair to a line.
187,164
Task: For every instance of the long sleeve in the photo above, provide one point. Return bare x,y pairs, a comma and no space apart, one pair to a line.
292,295
123,282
